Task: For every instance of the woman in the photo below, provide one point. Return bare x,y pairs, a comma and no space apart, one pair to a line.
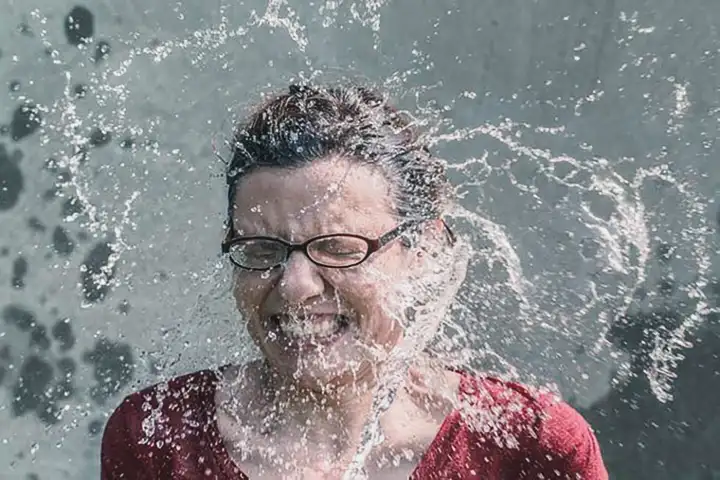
343,271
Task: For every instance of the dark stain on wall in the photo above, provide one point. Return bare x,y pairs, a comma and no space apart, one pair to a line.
79,26
19,271
26,120
62,243
62,332
95,274
11,178
114,368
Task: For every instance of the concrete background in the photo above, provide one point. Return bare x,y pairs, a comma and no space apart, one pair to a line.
581,135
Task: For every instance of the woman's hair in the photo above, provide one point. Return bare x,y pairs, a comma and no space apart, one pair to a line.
307,123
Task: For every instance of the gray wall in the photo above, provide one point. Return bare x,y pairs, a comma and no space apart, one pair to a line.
581,135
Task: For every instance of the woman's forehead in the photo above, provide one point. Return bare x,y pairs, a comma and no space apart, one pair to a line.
327,193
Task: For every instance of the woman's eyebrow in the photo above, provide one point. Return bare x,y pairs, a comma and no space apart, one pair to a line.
257,227
283,235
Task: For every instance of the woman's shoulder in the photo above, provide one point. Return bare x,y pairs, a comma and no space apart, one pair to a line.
190,388
167,407
536,421
514,403
482,389
165,429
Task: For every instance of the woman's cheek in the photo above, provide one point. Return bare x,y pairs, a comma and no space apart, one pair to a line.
249,290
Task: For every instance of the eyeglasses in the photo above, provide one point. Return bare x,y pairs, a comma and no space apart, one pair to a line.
339,250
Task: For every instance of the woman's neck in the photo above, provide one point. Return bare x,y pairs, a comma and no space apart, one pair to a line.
261,411
341,412
338,412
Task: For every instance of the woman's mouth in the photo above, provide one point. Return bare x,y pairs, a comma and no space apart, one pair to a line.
312,329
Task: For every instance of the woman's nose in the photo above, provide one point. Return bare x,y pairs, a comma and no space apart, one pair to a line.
300,279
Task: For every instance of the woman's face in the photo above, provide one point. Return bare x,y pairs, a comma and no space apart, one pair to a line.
322,326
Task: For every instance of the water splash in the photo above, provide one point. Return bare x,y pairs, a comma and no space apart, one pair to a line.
70,130
668,346
273,18
418,333
621,241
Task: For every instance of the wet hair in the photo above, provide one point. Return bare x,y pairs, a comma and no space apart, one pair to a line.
307,123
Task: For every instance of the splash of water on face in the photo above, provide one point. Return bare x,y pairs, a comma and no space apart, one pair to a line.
428,303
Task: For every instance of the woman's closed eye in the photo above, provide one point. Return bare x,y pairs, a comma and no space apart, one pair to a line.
260,249
340,247
264,254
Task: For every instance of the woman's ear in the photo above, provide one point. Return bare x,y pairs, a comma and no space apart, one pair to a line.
432,239
420,252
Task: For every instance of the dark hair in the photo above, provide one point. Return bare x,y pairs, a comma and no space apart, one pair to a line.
307,122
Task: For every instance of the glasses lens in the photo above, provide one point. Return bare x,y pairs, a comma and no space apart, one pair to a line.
338,250
258,253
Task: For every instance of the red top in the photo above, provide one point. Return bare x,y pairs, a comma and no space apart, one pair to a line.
169,431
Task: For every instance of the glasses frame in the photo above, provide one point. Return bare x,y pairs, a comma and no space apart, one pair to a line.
374,244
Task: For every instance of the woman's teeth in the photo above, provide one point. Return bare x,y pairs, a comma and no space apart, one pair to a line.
312,326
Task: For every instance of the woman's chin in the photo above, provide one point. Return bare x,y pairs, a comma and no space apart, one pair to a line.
320,370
